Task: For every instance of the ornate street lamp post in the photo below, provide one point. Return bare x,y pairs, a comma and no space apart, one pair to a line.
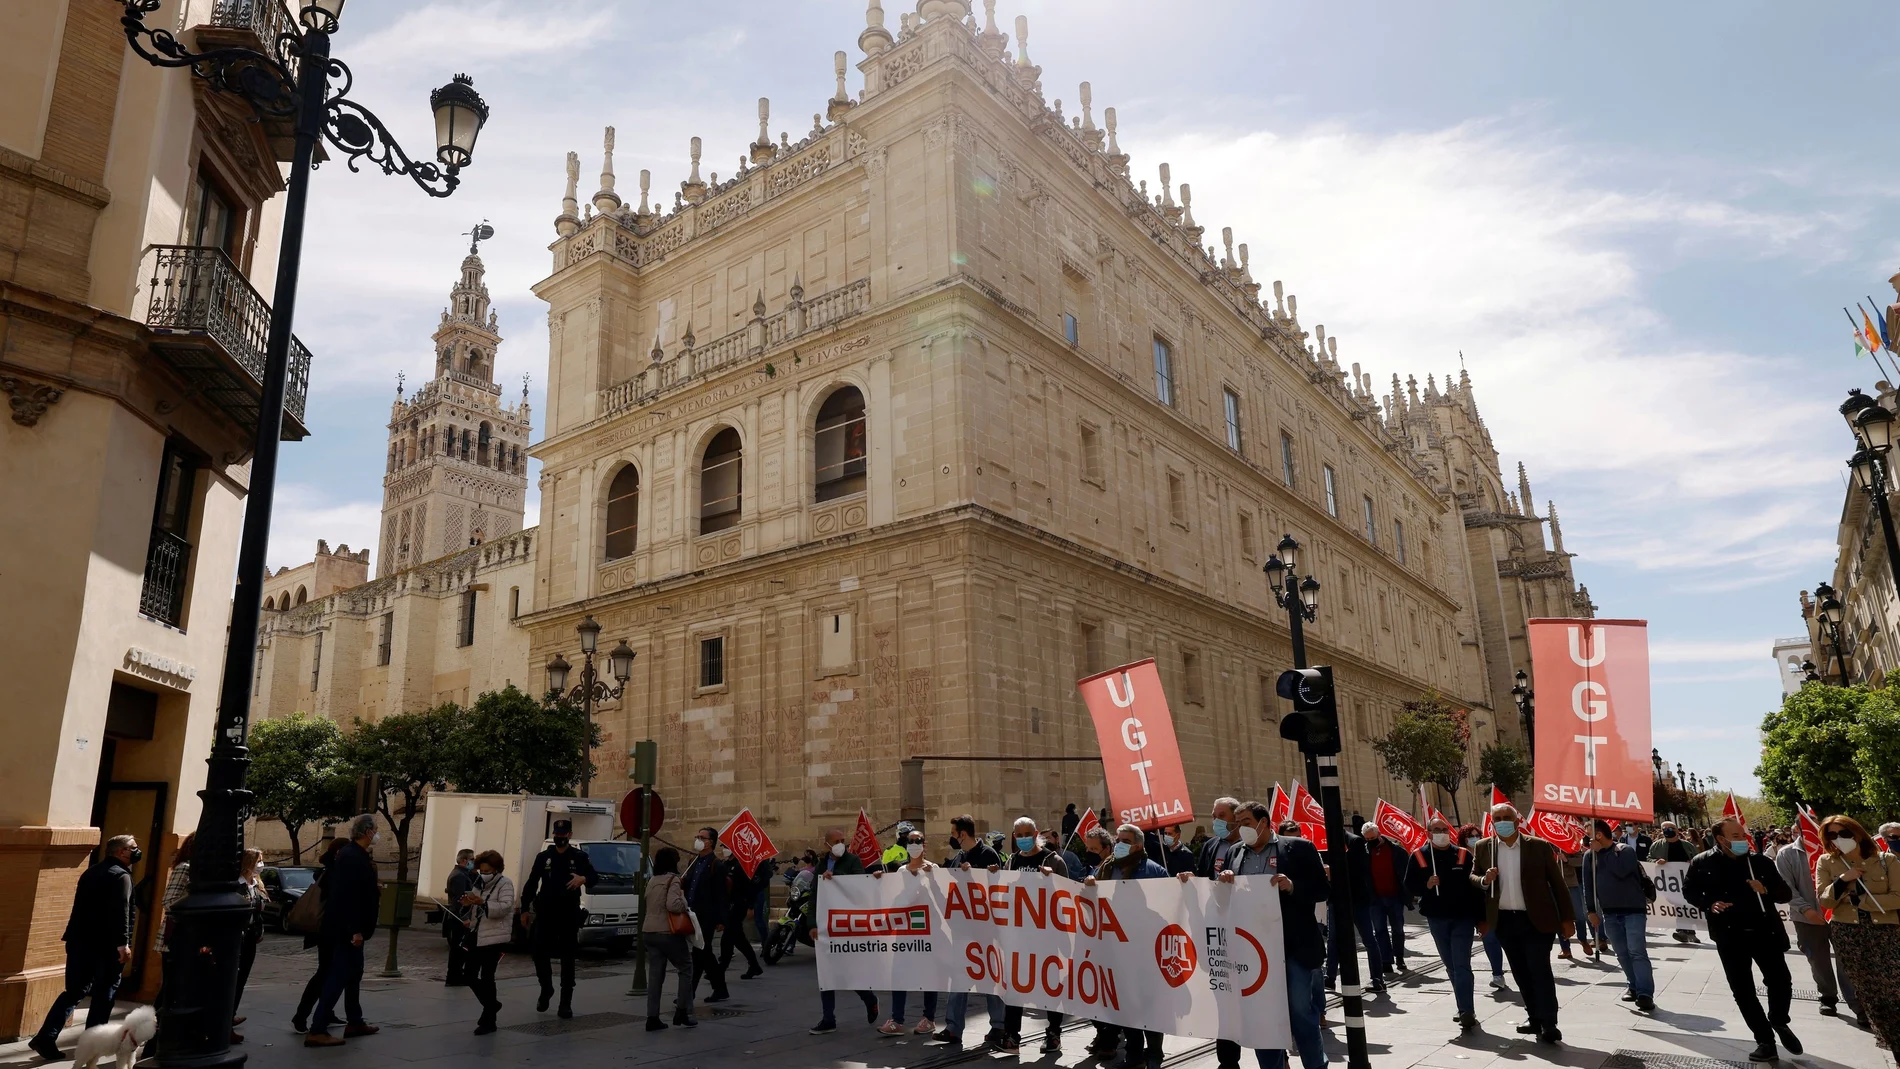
590,689
1525,697
1873,432
294,81
1830,612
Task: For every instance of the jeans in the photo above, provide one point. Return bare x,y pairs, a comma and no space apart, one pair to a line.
88,972
1626,933
1388,923
1528,951
1303,1010
478,971
899,998
1495,953
959,1007
1830,974
828,1002
247,957
1742,953
343,978
1452,937
1362,918
663,949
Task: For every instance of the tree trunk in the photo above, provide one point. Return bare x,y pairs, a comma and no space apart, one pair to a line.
296,847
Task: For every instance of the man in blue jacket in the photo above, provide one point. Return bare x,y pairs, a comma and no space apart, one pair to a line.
1128,860
1293,867
1616,895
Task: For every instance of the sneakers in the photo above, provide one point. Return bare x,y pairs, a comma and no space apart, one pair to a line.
870,1013
1467,1022
926,1027
823,1027
1008,1044
1498,984
1052,1042
948,1038
1645,1004
1788,1039
1549,1037
891,1028
1829,1009
1629,996
300,1025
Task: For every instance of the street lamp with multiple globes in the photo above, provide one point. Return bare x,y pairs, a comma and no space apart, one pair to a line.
590,689
1830,612
1525,698
1873,425
295,80
1298,596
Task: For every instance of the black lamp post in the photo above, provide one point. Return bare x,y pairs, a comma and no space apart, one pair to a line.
590,689
293,81
1873,432
1830,612
1525,697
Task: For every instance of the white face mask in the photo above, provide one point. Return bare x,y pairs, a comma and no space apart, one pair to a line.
915,850
1249,836
837,849
1441,839
1845,843
699,846
1167,840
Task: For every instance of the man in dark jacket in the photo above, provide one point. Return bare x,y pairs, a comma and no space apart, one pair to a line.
98,941
1128,860
1212,860
350,899
972,853
741,892
453,929
1359,872
838,861
709,896
1070,821
1738,890
1177,857
1438,874
1526,904
1031,853
553,917
1385,863
1616,897
1293,867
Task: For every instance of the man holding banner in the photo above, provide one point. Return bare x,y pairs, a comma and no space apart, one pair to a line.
1294,868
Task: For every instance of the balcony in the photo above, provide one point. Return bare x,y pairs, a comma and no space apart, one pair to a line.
255,24
167,562
211,326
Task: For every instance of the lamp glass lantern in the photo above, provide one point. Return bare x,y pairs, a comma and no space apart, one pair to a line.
589,630
1876,428
1309,593
1276,573
1862,463
1289,553
621,659
320,15
1831,610
557,674
459,115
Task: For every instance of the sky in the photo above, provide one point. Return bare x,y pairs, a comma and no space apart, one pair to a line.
1636,222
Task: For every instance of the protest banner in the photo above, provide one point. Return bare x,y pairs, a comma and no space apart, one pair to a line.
1147,785
1593,757
1201,959
1670,910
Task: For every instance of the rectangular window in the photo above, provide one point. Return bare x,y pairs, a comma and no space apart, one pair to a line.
465,633
1398,539
712,661
1092,649
1372,529
1232,402
1071,329
1246,536
215,223
168,554
1177,498
514,602
1286,458
1191,677
316,662
387,627
1091,453
1332,492
1164,372
1035,721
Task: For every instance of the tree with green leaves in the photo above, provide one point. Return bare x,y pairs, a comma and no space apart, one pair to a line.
512,744
297,774
1876,738
408,753
1506,765
1810,753
1422,747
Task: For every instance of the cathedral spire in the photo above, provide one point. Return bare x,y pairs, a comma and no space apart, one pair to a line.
1524,489
1556,533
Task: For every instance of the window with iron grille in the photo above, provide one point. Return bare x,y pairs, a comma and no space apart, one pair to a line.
712,661
168,554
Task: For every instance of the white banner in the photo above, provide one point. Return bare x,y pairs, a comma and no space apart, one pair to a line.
1670,911
1200,959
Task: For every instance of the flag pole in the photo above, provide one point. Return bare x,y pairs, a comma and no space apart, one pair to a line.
1857,334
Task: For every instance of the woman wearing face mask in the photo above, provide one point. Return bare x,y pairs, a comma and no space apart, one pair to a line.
1467,836
665,919
488,909
1861,884
915,864
1438,875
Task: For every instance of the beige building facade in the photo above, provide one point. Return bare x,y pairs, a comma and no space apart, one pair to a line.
874,447
138,236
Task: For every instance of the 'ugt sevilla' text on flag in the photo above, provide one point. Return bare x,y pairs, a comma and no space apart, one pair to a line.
1147,783
1593,756
1309,814
747,841
1398,825
864,842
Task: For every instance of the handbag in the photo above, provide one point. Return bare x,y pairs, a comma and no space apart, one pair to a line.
681,923
305,917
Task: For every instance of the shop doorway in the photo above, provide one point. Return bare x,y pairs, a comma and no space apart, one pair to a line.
132,807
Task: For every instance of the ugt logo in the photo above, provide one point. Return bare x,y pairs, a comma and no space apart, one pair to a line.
1175,955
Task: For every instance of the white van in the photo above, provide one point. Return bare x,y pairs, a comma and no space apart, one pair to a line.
520,826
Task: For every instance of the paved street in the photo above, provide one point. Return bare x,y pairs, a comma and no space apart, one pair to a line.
425,1024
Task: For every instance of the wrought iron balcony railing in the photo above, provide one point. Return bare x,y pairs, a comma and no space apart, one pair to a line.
167,562
212,326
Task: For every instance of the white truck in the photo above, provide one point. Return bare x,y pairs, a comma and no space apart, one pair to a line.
521,826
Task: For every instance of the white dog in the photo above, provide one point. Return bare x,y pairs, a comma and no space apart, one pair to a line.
121,1039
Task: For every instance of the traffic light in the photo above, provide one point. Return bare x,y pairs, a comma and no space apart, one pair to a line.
1314,721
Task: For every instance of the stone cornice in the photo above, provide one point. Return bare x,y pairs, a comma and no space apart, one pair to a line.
45,176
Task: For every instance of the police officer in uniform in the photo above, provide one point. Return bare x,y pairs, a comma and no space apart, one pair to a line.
553,917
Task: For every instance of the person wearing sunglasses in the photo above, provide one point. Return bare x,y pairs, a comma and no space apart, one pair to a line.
1861,883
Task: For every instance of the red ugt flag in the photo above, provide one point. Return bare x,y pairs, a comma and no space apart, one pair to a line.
1279,807
1732,811
864,842
1562,832
1088,823
1311,816
1398,825
747,841
1497,798
1810,837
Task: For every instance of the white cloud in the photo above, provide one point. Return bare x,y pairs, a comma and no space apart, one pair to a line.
302,514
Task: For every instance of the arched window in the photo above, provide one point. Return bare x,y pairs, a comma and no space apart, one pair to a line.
464,443
623,513
448,441
719,472
270,604
481,446
838,445
302,595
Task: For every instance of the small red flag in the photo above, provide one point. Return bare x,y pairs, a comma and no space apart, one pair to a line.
1399,826
864,842
1311,816
747,840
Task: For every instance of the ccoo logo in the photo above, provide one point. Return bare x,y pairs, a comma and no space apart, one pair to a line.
1175,955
